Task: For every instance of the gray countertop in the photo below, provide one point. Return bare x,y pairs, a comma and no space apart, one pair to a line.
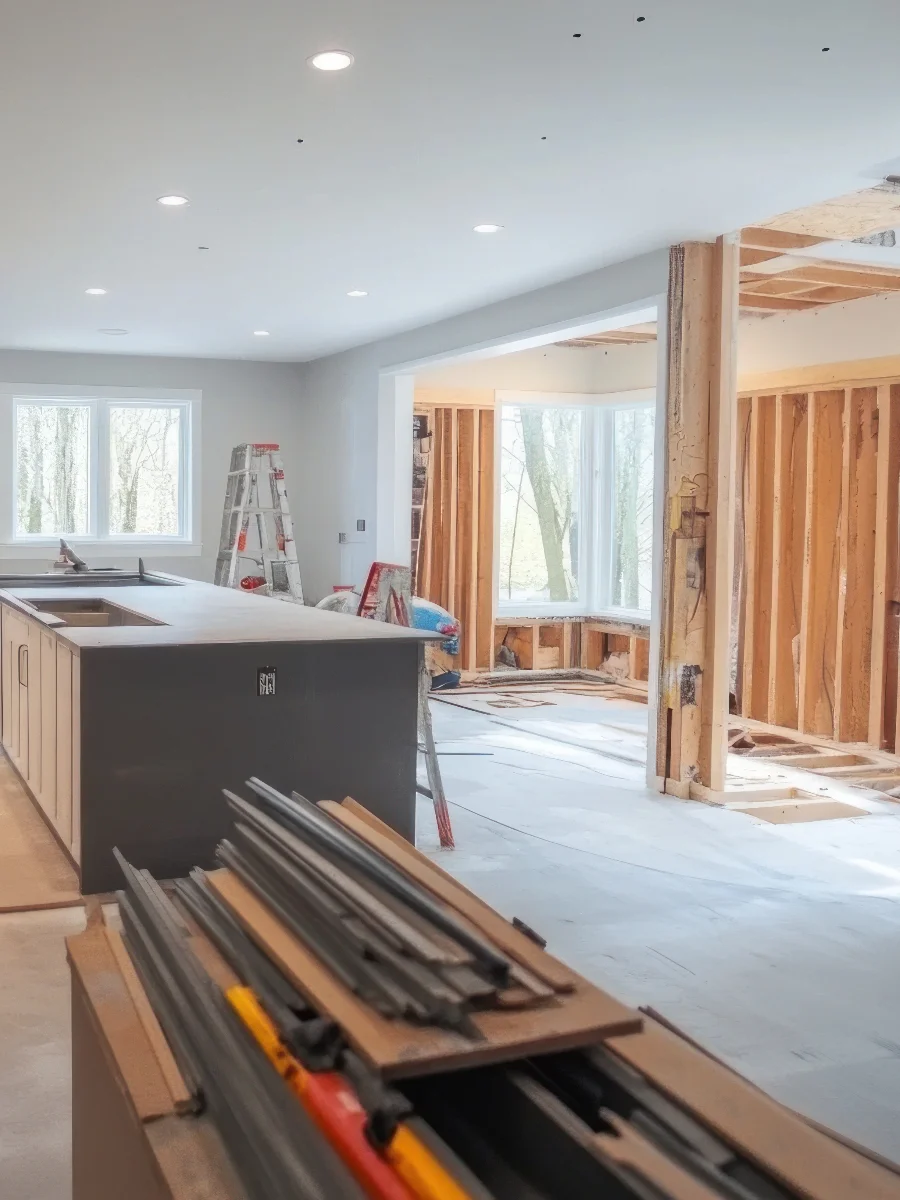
195,613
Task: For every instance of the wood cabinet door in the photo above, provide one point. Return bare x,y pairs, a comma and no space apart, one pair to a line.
33,702
18,707
48,724
64,742
7,657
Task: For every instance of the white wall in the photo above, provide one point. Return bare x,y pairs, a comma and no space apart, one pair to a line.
835,333
339,415
553,369
241,402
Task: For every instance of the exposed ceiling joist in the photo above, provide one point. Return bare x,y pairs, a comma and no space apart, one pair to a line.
778,240
781,266
613,337
776,303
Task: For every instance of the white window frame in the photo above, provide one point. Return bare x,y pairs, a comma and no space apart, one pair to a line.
595,532
98,540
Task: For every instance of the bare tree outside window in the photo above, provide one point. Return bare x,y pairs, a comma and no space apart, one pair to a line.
633,498
144,470
52,469
539,493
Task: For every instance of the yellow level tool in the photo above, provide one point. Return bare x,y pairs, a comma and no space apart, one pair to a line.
335,1108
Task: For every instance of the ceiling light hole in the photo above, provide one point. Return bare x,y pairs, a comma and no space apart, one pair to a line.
173,201
825,49
487,228
641,19
260,333
331,60
299,141
203,247
544,138
356,293
113,332
576,35
95,291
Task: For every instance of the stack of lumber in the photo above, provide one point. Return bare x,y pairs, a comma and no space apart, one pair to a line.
356,1023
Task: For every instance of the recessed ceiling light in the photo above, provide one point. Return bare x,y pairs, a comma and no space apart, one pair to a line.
113,332
260,333
357,292
488,228
172,201
95,291
331,60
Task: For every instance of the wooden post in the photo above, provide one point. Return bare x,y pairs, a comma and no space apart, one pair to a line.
698,550
819,615
882,691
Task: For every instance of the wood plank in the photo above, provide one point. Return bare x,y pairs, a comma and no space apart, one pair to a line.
463,605
801,1158
485,601
758,546
751,257
857,558
760,238
764,559
182,1100
885,560
818,631
91,956
775,303
500,931
773,285
788,517
873,280
835,294
452,416
397,1049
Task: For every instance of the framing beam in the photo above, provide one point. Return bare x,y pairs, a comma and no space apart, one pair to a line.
698,543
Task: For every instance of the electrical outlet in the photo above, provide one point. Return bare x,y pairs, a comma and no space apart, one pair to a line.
360,527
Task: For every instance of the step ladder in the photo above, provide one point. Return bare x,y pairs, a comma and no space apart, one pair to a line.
387,596
255,489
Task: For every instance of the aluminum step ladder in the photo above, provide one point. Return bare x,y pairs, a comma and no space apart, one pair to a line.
255,489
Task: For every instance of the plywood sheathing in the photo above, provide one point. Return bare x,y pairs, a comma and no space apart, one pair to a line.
698,547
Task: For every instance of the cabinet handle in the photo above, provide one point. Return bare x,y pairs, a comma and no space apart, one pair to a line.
23,656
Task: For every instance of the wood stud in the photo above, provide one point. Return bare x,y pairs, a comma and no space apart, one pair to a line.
458,526
817,599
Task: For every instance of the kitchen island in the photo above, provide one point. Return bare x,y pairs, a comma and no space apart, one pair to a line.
129,702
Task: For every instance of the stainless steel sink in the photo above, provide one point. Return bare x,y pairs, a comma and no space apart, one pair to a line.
90,612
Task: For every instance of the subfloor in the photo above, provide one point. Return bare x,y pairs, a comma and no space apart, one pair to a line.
773,945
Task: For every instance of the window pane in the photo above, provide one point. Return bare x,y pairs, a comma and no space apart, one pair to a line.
633,533
540,467
144,468
52,468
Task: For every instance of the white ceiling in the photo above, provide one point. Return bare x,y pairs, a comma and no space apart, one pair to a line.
705,116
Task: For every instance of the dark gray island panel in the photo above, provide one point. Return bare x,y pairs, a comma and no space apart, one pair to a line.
164,729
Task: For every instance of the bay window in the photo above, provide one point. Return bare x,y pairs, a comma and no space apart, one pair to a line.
575,503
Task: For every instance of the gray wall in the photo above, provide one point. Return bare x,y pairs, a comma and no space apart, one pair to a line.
339,415
242,401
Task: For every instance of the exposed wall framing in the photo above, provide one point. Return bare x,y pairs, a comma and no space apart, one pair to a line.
698,508
819,599
543,644
456,547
